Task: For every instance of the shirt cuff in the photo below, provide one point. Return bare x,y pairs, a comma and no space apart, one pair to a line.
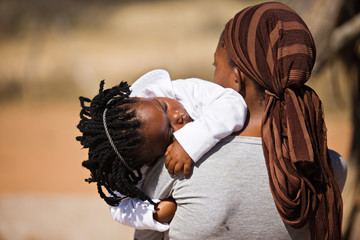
135,213
195,139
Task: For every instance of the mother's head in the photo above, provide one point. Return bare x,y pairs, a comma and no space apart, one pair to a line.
123,134
271,45
268,46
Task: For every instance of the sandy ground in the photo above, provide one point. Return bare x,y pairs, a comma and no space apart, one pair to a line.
57,217
42,190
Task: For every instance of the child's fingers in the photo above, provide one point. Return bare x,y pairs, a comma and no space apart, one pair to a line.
168,149
171,167
187,169
178,168
167,161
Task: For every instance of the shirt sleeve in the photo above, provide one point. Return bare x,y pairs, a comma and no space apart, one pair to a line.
339,168
222,111
156,83
138,214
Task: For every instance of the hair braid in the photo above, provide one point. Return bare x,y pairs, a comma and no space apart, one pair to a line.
106,169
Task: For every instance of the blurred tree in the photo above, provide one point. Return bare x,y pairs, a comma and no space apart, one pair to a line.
336,29
16,15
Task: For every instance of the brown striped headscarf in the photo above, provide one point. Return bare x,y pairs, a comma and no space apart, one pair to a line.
272,45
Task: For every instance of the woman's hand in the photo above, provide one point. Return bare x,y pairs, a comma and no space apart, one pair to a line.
165,210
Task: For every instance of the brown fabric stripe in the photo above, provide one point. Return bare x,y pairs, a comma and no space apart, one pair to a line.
239,53
282,52
253,26
293,25
293,49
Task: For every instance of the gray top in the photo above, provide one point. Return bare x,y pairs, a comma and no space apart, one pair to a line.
226,197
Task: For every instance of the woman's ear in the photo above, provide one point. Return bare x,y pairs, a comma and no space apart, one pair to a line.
239,79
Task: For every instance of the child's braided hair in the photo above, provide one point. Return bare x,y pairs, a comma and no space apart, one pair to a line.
105,165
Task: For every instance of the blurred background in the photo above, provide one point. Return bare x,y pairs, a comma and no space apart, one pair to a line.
51,52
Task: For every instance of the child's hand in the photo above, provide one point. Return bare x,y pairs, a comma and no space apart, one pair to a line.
165,210
176,160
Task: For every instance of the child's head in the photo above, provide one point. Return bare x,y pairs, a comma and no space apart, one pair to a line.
160,118
122,134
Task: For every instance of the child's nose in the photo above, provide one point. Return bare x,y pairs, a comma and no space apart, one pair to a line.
177,120
180,118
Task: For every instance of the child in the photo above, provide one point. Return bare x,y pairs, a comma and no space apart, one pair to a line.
114,127
210,105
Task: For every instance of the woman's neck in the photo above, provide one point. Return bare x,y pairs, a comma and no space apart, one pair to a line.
255,101
252,126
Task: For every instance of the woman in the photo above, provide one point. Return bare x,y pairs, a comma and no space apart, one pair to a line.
266,53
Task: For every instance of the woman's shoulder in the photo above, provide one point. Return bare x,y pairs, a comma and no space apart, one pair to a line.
339,168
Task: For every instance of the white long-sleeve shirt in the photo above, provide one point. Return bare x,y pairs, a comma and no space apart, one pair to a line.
217,112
